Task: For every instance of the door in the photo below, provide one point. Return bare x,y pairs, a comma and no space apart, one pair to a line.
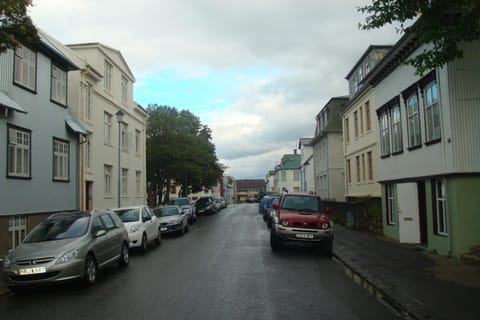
408,221
88,195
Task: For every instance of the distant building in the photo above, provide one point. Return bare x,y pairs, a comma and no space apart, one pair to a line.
249,189
307,167
287,173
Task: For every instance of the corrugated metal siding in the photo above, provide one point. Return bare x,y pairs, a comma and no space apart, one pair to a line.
464,86
6,71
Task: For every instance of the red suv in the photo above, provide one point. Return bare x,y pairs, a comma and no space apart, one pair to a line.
301,218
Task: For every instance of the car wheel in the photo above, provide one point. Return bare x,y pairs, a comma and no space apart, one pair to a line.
144,244
327,247
275,242
269,223
91,270
158,239
124,256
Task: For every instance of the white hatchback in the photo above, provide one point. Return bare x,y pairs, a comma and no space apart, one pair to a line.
142,225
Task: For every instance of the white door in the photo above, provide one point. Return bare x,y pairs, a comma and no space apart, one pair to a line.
408,221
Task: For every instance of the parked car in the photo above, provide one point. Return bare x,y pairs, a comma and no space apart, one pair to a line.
262,204
68,246
205,205
142,226
301,218
223,203
269,212
172,219
187,206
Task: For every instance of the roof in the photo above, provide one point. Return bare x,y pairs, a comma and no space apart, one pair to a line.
364,55
47,47
250,183
290,161
304,142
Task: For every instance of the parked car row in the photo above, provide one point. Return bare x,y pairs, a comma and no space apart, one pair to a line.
298,218
76,245
209,205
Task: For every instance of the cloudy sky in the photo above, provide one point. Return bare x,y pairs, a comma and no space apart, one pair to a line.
257,72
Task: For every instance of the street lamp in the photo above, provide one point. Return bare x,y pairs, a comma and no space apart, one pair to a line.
119,115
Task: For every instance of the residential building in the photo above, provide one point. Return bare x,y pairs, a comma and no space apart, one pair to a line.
249,189
307,168
360,130
287,173
113,171
428,142
270,181
328,151
40,140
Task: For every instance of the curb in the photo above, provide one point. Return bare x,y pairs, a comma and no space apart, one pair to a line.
402,304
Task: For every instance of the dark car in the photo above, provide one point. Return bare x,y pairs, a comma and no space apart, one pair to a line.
205,205
301,218
187,207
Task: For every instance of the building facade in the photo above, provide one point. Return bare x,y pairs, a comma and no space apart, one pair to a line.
428,143
360,130
40,140
327,147
307,168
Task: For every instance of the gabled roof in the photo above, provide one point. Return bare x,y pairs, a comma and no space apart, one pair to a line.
290,162
47,47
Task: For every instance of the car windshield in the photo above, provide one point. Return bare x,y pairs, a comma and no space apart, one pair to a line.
167,211
181,202
128,215
300,203
203,201
59,227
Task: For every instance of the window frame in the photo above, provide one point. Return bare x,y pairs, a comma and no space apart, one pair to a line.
58,85
138,140
124,89
384,129
107,75
367,116
396,129
390,203
429,110
414,127
347,131
107,127
25,68
124,182
138,182
26,169
60,157
124,136
107,179
440,208
88,100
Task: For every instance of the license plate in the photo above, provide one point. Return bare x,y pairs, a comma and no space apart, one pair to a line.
36,270
163,229
304,236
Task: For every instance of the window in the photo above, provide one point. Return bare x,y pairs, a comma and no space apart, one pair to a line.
397,144
440,207
25,67
296,175
124,89
19,153
349,172
107,76
370,165
138,182
413,121
384,135
124,189
283,176
60,160
107,179
107,121
87,151
58,90
355,123
107,221
138,141
347,131
390,200
124,130
88,101
357,162
363,168
432,111
17,227
361,120
367,115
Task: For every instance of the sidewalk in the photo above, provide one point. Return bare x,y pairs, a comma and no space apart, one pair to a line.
418,284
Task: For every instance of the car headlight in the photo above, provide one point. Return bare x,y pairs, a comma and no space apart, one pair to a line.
70,255
6,262
285,223
134,228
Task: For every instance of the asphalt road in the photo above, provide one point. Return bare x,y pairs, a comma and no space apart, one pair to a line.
222,269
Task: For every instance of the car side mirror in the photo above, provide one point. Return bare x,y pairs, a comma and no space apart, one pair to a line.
100,233
147,218
328,210
276,206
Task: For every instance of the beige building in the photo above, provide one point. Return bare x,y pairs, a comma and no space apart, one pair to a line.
360,130
113,162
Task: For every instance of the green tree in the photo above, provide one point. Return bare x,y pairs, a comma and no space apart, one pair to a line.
180,151
15,25
441,23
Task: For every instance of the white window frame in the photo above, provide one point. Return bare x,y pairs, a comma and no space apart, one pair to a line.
413,121
58,90
296,175
107,124
384,134
107,181
138,182
124,136
87,154
390,198
283,176
124,186
138,141
107,76
396,130
88,101
347,131
61,156
17,227
19,153
441,207
124,89
25,69
432,111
